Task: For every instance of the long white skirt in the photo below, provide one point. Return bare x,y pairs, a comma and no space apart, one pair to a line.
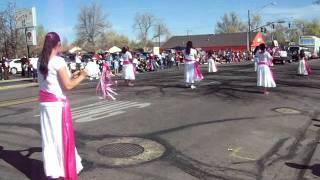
52,140
302,70
189,73
255,66
265,77
128,72
212,66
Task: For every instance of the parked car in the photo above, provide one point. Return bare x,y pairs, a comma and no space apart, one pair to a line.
294,52
15,66
281,57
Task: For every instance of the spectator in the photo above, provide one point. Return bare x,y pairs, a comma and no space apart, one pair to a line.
1,68
6,68
34,66
78,61
24,60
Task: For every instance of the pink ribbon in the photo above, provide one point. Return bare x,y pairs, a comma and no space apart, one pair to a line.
105,83
197,69
70,167
308,67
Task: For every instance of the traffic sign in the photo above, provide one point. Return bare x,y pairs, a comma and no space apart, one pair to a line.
26,18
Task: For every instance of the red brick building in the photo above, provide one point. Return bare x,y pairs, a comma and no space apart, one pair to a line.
233,41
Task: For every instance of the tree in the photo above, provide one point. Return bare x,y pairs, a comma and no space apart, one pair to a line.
256,21
143,23
92,22
313,27
230,23
111,38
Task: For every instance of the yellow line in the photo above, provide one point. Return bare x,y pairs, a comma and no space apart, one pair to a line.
16,102
235,153
18,86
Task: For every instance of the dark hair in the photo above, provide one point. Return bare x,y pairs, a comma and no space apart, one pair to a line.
256,50
262,47
124,49
189,46
210,53
51,41
302,54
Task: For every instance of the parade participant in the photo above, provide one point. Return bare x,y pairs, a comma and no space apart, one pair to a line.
264,74
192,70
211,62
303,68
128,69
60,157
256,50
104,88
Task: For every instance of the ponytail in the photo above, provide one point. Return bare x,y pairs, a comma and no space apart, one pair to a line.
188,48
51,41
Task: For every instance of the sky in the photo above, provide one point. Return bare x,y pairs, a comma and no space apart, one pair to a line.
194,16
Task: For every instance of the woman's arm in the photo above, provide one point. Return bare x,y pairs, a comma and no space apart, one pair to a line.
70,83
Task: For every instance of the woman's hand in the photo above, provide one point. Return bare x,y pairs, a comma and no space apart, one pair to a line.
76,74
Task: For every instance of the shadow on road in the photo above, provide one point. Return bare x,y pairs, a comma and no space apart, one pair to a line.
31,168
314,168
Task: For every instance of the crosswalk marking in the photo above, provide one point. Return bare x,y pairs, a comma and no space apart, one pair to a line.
104,109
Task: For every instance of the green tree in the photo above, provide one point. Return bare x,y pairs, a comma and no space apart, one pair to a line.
230,23
313,27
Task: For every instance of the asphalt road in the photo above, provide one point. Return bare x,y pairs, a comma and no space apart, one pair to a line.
159,130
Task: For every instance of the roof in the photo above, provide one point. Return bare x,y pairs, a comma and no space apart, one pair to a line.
210,40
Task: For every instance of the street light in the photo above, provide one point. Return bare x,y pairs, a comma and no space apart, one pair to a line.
273,3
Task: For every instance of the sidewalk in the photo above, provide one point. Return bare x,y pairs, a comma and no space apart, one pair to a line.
15,80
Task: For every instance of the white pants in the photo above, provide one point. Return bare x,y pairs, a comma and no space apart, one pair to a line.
52,140
189,73
212,66
302,70
128,72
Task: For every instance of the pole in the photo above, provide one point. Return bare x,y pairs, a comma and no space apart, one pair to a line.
28,49
249,32
159,36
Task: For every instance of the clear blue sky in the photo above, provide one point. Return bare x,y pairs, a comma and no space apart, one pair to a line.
198,16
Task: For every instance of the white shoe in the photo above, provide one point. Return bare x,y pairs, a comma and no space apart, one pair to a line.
193,87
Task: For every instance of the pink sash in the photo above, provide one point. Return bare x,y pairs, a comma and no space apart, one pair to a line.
197,69
70,167
308,67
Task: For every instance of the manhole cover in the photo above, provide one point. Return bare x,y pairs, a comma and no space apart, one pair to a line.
287,110
120,150
123,151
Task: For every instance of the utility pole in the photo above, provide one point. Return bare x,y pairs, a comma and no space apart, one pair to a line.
159,30
188,34
249,32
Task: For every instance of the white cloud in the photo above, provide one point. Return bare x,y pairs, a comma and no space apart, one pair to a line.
305,12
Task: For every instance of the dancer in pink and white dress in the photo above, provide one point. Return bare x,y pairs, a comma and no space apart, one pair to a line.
128,73
211,62
303,68
265,76
192,72
60,157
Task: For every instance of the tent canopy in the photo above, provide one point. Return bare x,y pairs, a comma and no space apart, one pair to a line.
114,49
75,49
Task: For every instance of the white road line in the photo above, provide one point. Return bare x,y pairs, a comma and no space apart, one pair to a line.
103,109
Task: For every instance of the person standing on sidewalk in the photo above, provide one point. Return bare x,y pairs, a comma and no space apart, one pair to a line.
6,68
78,61
2,68
60,156
23,64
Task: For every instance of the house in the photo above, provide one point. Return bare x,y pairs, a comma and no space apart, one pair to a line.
233,41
